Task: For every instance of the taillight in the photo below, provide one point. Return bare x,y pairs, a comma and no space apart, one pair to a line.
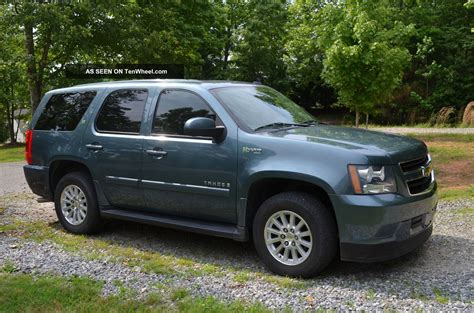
29,145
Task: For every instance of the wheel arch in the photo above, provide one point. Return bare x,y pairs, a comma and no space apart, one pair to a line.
60,167
263,187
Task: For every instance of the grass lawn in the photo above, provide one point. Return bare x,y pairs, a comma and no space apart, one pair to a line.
12,154
25,293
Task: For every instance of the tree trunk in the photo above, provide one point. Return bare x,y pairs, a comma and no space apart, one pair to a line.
34,84
227,51
13,115
366,120
10,121
357,118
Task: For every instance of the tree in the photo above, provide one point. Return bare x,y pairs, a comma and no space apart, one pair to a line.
53,35
441,73
259,45
12,70
364,52
304,57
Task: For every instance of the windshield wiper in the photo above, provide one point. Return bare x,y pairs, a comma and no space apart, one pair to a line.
314,122
311,122
279,124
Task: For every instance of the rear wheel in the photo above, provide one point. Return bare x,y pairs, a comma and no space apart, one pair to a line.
76,204
295,234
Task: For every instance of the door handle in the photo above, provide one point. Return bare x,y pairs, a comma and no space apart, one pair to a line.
156,153
94,147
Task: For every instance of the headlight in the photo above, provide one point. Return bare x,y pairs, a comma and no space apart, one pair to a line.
372,179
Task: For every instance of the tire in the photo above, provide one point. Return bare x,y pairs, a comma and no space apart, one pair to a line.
77,185
319,223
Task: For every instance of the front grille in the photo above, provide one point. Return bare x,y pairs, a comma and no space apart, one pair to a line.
414,164
419,185
417,174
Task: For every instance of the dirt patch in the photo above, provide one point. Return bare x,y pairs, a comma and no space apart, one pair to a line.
453,162
455,173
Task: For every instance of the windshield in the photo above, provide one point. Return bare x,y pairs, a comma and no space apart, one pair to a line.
260,106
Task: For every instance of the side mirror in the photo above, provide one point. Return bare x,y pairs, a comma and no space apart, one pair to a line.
204,127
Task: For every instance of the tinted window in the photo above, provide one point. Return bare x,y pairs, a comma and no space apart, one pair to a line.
257,106
122,111
175,107
64,111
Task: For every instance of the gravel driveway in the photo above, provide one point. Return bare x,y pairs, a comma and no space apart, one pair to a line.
437,276
12,179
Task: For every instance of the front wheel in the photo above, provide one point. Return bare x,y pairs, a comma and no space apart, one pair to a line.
295,234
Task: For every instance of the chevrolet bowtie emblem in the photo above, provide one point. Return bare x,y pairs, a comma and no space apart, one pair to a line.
426,170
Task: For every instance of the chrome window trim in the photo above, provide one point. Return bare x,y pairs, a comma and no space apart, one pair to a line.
150,137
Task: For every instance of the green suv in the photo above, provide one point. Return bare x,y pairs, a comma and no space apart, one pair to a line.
230,159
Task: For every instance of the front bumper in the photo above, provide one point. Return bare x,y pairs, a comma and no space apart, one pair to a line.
37,178
375,228
367,253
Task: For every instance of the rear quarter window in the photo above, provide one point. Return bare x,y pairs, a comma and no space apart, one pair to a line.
64,111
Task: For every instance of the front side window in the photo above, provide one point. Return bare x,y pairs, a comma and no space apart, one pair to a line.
122,111
258,106
175,107
64,111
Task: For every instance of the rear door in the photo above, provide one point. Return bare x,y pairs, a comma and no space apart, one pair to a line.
113,145
184,175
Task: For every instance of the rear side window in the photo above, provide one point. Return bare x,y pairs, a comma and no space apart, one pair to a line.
64,111
122,111
175,107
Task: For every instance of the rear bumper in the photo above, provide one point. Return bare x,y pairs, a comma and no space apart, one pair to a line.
37,178
375,228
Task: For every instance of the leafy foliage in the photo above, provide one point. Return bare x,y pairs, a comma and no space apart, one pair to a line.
365,55
400,59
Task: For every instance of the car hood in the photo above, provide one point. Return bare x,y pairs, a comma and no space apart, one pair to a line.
398,148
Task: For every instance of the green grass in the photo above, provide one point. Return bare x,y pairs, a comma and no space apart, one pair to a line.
212,305
284,282
440,297
25,293
443,137
446,154
242,277
465,211
370,295
8,267
457,193
179,294
12,154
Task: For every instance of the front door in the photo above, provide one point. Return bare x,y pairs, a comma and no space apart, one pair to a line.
113,146
185,175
